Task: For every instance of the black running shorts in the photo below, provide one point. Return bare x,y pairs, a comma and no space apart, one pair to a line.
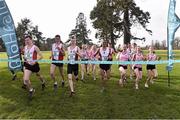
72,68
33,68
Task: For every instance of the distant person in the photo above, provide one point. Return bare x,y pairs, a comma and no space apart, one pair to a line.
93,58
151,68
72,68
57,54
104,55
138,56
123,56
31,54
84,57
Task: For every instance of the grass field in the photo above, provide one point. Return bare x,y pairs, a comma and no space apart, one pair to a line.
158,101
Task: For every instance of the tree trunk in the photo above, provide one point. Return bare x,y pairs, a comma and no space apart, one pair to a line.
112,37
127,35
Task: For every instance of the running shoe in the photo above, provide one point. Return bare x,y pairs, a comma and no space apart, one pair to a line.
31,93
62,83
136,86
72,94
43,86
55,87
146,85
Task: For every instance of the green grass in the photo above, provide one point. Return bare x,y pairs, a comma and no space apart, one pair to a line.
159,101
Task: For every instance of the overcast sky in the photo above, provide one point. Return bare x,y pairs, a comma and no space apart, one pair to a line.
59,16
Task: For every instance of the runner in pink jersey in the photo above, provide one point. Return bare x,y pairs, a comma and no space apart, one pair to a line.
151,68
93,58
138,56
84,57
123,56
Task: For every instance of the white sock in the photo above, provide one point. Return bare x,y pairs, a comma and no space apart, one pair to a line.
31,90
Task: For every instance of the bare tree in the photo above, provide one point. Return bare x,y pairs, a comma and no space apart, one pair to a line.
176,44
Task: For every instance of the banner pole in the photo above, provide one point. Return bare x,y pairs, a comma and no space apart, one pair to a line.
169,79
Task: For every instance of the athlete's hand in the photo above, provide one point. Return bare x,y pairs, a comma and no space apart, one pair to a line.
50,57
62,51
110,57
159,58
144,58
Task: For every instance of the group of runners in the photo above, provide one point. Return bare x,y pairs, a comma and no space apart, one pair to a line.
31,54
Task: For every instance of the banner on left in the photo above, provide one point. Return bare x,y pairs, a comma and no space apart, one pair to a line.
8,35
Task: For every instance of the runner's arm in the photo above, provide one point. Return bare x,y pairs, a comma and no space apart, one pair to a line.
39,53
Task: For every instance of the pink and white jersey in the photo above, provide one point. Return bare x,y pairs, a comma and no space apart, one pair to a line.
123,56
30,54
104,54
151,57
72,54
92,55
84,54
56,54
89,54
138,57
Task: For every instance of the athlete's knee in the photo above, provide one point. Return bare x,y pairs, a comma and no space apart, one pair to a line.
123,72
137,76
52,75
26,82
155,74
69,76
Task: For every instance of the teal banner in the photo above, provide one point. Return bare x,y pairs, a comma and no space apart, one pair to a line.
8,35
173,25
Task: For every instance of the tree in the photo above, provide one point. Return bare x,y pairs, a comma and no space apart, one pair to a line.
164,44
115,18
49,42
39,40
133,15
157,45
176,43
80,31
24,27
104,19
